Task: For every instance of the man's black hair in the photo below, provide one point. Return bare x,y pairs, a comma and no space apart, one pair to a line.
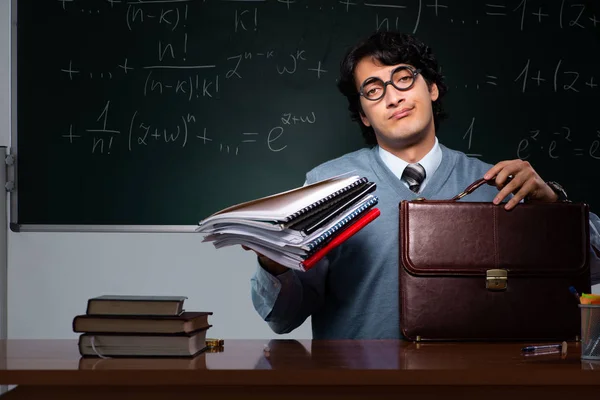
390,48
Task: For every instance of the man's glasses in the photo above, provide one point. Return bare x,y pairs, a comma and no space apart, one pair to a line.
402,78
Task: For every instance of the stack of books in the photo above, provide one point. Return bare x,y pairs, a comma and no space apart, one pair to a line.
140,326
298,227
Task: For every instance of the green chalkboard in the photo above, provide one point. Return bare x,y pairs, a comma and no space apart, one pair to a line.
163,112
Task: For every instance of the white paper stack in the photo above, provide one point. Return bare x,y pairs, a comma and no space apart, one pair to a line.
296,228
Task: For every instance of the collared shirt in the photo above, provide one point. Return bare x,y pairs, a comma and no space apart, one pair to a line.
431,161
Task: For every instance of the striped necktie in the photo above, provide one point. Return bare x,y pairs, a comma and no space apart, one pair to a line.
414,174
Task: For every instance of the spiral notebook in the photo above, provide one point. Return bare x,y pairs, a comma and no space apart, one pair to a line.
297,228
333,208
306,256
278,242
279,211
299,231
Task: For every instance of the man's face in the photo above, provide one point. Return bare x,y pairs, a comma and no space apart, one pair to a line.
399,118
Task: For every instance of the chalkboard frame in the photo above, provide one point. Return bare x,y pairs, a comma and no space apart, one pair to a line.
13,160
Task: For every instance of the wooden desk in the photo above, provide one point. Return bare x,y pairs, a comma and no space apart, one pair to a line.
53,369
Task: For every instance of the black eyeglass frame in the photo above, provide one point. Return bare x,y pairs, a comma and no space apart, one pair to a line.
414,72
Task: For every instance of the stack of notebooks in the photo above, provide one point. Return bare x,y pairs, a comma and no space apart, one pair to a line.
140,326
299,227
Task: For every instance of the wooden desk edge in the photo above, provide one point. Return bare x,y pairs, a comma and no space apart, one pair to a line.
259,378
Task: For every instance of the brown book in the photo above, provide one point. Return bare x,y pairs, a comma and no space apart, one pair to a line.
142,345
135,305
145,363
186,322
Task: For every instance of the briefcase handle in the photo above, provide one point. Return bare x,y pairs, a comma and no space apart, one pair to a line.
470,189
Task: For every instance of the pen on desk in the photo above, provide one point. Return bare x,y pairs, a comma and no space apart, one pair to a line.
530,349
545,348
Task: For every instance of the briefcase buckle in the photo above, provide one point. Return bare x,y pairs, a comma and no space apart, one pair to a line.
496,279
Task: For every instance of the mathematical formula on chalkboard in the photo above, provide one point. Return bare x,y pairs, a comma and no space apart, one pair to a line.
241,95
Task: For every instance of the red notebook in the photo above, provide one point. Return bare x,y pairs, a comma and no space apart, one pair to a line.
341,237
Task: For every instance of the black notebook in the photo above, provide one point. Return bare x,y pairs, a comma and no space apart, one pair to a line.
334,208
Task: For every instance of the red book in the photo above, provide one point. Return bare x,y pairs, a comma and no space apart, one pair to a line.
341,237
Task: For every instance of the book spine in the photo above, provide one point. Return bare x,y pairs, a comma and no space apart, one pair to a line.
317,203
315,243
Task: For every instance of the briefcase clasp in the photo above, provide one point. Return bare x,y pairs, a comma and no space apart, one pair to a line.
496,279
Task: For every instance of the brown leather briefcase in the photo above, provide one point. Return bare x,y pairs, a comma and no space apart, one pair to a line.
475,271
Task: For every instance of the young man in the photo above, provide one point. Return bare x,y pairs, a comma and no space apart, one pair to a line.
394,89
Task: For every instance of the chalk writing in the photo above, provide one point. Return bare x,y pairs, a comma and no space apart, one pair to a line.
564,76
566,15
561,78
191,87
136,15
557,145
144,133
291,119
384,23
241,20
291,67
469,136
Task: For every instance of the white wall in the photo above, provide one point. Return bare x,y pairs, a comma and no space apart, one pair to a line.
51,275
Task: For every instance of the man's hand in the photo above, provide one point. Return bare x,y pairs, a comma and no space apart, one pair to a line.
271,266
519,178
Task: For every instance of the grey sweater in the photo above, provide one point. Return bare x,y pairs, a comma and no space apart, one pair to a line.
353,292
